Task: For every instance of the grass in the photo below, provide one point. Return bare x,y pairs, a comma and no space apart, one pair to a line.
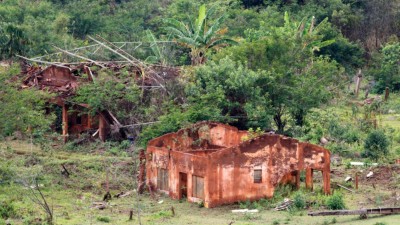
72,198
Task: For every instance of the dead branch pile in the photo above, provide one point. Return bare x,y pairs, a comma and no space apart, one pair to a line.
284,205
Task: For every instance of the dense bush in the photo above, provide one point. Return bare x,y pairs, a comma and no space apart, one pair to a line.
335,201
299,201
7,210
376,145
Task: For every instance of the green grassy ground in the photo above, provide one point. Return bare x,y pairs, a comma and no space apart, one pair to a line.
72,198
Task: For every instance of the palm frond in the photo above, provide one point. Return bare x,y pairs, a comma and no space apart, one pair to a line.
178,25
223,41
214,28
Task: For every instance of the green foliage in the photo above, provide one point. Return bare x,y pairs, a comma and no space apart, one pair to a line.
245,205
335,201
387,69
161,215
299,200
199,36
177,117
103,219
275,222
24,109
7,210
253,134
234,90
376,145
119,94
286,54
6,173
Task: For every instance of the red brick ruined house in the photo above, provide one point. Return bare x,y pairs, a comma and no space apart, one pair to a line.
210,162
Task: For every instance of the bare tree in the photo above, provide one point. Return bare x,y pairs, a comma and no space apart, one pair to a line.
36,195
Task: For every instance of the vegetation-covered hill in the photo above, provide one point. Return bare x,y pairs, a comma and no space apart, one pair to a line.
283,65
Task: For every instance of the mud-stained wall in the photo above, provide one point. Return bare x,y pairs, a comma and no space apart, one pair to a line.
228,165
57,76
203,135
279,158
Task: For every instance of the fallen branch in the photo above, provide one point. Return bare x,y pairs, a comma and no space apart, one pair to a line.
345,188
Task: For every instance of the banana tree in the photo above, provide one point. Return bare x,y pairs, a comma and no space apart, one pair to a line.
308,33
199,36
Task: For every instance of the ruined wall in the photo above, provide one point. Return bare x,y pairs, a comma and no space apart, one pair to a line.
280,159
227,165
178,164
206,135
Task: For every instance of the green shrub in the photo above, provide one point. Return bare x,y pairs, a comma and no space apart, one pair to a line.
7,210
245,205
162,214
265,203
299,201
335,201
376,145
103,219
6,173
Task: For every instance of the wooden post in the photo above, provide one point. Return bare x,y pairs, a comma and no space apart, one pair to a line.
356,181
131,214
65,122
386,94
102,128
309,178
358,83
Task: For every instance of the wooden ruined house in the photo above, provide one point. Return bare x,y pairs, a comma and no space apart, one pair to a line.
210,162
64,80
64,71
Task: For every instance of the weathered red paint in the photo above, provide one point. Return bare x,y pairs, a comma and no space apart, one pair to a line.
216,153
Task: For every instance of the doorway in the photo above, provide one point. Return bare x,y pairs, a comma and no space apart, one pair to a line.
182,185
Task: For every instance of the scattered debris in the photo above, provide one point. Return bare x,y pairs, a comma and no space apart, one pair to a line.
64,171
348,178
119,194
35,187
348,189
336,160
161,202
370,174
284,205
382,211
99,205
323,141
245,211
123,194
362,164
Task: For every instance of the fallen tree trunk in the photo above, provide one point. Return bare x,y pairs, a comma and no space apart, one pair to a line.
383,211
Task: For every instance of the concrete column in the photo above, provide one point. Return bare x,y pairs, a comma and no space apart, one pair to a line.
309,178
298,179
327,181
